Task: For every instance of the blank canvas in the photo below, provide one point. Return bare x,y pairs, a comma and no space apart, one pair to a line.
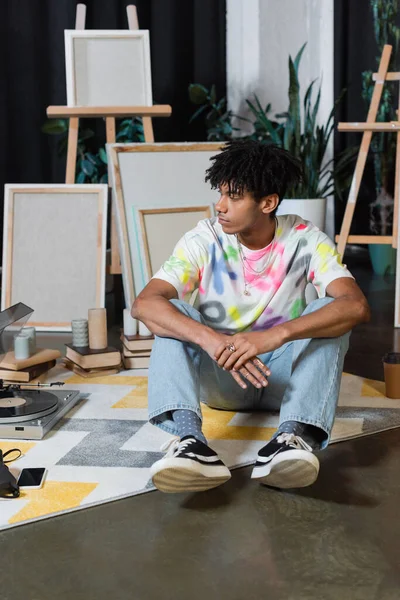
54,250
108,68
156,176
173,223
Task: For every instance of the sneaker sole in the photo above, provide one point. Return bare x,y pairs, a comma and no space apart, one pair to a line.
177,478
287,473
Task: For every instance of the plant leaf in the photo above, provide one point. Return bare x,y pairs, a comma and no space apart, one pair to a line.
198,94
213,94
294,107
298,58
87,167
198,112
103,156
55,126
81,177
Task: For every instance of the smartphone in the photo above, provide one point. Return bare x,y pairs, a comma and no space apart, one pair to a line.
31,478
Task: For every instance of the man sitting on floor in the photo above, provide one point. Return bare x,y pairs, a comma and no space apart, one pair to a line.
252,343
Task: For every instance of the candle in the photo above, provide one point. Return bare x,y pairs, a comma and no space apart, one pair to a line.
80,332
97,328
31,333
143,329
22,346
130,324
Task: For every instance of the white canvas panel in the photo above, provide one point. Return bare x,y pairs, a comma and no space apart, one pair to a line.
108,68
54,249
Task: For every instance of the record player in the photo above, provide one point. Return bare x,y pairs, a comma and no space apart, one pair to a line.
28,412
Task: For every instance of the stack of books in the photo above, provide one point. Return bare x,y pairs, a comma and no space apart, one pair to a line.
25,370
136,350
92,363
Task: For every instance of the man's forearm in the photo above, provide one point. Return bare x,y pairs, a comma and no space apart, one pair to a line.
165,320
333,320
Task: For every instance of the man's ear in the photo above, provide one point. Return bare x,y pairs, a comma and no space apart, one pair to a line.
269,203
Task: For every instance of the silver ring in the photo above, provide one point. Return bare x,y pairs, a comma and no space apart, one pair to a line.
231,348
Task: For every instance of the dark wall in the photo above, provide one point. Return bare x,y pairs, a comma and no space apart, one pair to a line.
187,45
355,52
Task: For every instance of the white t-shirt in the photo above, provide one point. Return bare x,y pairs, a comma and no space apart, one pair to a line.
209,260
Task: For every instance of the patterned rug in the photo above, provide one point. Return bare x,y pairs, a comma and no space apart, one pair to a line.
103,449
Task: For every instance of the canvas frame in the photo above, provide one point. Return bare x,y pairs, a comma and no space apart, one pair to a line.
200,211
131,244
48,281
397,283
86,34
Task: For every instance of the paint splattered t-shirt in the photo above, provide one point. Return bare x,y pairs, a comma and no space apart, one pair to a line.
208,260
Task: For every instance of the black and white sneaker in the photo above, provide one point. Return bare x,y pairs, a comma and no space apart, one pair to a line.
188,466
286,462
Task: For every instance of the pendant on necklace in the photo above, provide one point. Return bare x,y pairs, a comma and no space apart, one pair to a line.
246,292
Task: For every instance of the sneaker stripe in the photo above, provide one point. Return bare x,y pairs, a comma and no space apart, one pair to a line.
267,459
205,459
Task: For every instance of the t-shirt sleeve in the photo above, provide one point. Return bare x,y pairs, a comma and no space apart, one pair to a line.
325,264
182,269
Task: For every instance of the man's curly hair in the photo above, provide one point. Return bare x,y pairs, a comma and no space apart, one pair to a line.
256,167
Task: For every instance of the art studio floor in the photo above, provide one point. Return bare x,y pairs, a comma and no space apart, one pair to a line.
337,539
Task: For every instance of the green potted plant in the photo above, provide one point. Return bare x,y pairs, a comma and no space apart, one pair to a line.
383,145
294,130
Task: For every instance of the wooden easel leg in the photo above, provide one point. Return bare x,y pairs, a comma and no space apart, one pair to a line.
362,155
73,130
133,22
80,19
72,149
148,130
115,267
397,190
110,137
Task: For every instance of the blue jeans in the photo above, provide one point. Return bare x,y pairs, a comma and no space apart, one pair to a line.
304,383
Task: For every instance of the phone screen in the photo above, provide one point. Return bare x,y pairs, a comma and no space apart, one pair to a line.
31,477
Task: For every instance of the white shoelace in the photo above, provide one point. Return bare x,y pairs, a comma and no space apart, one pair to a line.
290,439
175,446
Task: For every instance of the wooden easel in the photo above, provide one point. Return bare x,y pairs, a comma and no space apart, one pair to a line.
368,128
110,113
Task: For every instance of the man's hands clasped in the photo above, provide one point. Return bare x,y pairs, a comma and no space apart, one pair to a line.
239,354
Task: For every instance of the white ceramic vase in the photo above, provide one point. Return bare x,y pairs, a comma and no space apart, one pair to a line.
313,210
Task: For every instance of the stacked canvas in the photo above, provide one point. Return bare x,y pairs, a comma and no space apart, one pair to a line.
136,351
92,363
25,370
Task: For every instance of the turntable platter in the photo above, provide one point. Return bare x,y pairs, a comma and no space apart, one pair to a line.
24,405
12,401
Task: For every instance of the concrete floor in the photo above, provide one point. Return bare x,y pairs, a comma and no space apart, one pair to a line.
337,539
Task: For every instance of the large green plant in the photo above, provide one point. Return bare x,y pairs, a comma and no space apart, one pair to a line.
91,159
383,145
295,130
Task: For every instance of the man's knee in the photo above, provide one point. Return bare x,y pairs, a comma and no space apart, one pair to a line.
319,303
